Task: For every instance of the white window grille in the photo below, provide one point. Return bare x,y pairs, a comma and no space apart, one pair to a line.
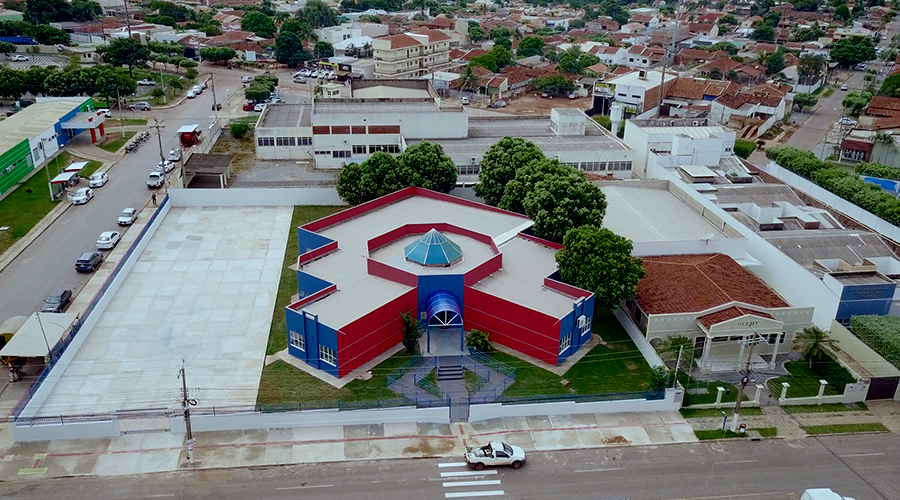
328,355
298,340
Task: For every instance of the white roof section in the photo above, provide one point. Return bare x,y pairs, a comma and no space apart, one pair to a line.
76,167
643,213
35,119
698,132
38,332
357,41
360,293
389,92
697,171
652,79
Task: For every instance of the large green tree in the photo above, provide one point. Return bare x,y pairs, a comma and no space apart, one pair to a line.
426,165
598,260
12,85
379,175
468,80
112,83
290,51
219,55
813,343
561,203
302,29
499,166
527,177
530,46
573,60
805,101
853,50
318,15
45,11
323,50
763,33
125,52
259,24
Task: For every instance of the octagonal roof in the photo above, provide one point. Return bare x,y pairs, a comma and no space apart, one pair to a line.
433,249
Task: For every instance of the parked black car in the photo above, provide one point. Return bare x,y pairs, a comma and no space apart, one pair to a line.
88,262
57,300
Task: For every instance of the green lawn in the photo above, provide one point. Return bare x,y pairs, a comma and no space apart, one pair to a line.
804,382
281,383
828,93
712,412
844,428
429,384
718,434
24,207
287,286
615,367
115,140
127,121
689,382
825,408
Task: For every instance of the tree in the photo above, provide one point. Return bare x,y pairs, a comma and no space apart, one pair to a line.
256,92
412,331
558,204
426,165
45,11
476,33
112,83
7,48
303,30
478,341
530,46
763,33
810,68
48,35
554,84
493,61
891,86
500,164
218,54
468,80
813,343
660,376
369,18
573,60
674,345
727,19
615,10
842,13
743,148
259,24
527,176
323,50
805,101
289,50
84,10
598,260
318,15
807,34
504,42
373,178
12,85
774,62
856,101
726,46
125,52
853,50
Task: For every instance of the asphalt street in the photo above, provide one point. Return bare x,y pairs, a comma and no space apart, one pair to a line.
50,260
770,469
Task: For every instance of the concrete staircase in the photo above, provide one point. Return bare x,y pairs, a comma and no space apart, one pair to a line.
449,368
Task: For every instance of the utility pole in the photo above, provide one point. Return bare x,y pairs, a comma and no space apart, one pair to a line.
162,156
744,381
127,17
121,116
186,403
677,364
212,87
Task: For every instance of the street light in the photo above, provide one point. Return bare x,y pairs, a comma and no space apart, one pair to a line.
44,334
752,342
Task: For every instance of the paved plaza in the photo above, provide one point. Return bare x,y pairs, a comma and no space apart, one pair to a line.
203,291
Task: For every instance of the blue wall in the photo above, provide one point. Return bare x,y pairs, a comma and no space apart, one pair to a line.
865,299
308,284
886,184
310,241
429,283
569,324
315,334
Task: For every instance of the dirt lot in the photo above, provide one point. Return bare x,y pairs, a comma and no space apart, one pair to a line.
532,104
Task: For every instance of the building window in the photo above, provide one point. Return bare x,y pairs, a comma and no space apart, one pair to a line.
565,343
327,355
359,150
619,165
323,153
265,141
284,141
304,141
298,341
590,166
584,325
468,169
387,148
340,154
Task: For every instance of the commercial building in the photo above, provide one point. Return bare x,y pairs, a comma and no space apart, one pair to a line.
637,91
29,138
453,264
411,55
670,143
390,116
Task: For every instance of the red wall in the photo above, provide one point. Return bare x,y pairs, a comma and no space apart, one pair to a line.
382,270
312,298
566,289
369,336
316,253
515,326
484,270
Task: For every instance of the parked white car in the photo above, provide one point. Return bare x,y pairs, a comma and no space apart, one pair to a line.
246,79
20,58
495,453
127,217
259,107
174,155
464,100
146,82
847,121
98,179
197,89
305,72
82,196
202,85
191,94
155,179
104,112
165,166
108,240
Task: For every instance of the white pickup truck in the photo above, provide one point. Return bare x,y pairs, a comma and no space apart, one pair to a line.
495,453
155,179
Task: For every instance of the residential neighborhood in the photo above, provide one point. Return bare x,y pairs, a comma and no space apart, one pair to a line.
315,240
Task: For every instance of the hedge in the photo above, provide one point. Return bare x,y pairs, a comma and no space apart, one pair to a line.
881,333
743,148
878,170
840,182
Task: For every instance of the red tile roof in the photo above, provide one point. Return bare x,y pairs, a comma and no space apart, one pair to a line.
729,314
695,88
884,106
724,65
401,41
676,284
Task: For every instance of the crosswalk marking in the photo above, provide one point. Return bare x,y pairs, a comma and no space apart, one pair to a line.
461,494
469,473
486,482
452,464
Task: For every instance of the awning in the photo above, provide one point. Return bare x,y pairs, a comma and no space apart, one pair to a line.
83,121
39,331
76,167
64,178
187,129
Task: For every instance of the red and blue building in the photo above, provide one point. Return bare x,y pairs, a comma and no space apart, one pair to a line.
456,265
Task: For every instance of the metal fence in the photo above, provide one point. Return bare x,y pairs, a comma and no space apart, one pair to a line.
404,369
582,398
57,352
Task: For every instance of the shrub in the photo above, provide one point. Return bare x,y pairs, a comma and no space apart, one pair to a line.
661,378
239,129
881,333
478,341
190,74
878,170
412,331
743,148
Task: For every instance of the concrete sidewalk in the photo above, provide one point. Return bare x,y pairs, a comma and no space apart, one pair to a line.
163,451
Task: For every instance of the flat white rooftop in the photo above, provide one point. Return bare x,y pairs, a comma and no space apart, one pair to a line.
358,292
203,290
644,214
474,253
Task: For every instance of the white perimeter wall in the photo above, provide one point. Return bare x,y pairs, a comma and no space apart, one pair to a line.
254,197
672,402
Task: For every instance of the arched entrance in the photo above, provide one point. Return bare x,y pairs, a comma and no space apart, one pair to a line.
445,322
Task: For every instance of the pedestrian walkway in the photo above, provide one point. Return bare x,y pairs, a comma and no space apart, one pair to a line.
81,146
459,481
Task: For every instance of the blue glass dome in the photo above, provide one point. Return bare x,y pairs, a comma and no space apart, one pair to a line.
433,249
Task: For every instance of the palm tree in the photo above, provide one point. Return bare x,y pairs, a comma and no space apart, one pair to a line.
670,348
887,140
469,80
813,343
